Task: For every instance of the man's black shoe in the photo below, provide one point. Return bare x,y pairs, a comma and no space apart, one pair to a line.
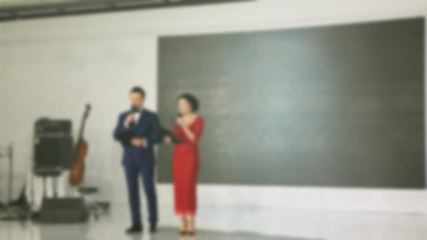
153,228
134,229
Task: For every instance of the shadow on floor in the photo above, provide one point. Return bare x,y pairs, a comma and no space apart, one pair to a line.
171,234
108,231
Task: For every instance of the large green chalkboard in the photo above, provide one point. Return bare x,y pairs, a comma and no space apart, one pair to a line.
325,106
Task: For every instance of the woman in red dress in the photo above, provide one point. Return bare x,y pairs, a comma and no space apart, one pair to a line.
188,127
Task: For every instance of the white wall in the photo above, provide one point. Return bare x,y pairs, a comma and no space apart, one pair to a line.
56,79
52,67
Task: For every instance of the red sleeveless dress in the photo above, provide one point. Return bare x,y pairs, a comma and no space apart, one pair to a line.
185,168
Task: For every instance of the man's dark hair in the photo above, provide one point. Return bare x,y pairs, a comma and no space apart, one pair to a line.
139,90
192,100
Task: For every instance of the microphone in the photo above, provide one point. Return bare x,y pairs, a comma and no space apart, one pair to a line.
179,115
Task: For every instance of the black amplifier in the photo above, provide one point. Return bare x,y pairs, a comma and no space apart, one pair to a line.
53,146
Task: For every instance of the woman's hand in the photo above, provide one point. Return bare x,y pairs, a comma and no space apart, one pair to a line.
167,139
181,122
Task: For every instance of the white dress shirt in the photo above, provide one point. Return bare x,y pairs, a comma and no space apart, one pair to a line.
136,117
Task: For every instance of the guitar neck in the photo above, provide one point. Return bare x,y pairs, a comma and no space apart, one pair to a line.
82,127
83,122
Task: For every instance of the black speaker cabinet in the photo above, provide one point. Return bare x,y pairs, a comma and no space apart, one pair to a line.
53,144
64,210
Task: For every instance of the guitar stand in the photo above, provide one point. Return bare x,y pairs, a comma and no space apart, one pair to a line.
96,208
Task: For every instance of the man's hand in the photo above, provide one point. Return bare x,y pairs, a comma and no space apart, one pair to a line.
138,142
167,139
129,119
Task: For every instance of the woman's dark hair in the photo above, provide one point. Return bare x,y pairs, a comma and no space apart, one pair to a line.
192,100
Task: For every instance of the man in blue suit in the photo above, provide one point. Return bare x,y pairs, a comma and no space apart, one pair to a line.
138,130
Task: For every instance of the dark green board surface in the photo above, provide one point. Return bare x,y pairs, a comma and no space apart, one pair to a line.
338,106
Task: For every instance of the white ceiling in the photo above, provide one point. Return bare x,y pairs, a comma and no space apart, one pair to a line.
29,2
32,2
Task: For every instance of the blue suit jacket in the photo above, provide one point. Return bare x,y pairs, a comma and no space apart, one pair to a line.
147,127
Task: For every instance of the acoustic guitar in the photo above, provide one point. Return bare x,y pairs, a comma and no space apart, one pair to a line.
78,168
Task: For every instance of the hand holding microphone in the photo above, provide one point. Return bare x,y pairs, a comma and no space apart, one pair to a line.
129,119
181,122
131,116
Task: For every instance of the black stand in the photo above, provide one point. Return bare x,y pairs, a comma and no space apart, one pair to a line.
9,155
18,209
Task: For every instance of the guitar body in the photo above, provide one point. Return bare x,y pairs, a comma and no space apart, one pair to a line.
77,170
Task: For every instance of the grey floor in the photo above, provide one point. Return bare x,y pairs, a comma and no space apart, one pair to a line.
236,224
25,230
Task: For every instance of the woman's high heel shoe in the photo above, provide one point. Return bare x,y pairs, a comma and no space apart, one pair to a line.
192,232
183,232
